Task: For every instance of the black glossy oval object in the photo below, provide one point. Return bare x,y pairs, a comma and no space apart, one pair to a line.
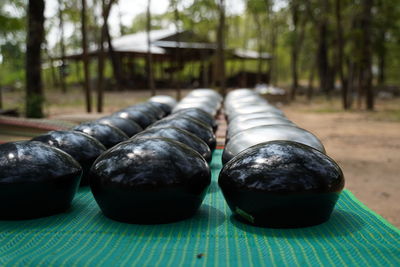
166,108
164,99
82,147
208,108
266,133
149,180
129,127
162,109
240,126
196,127
140,117
108,135
179,135
149,108
281,184
36,180
200,115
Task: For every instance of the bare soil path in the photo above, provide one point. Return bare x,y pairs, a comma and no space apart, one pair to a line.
368,151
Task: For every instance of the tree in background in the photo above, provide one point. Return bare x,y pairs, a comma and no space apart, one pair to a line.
340,53
298,30
34,91
11,51
321,40
221,48
85,59
149,63
62,47
259,11
177,57
366,52
106,8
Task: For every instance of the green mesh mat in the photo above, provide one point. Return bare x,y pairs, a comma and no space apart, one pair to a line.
354,236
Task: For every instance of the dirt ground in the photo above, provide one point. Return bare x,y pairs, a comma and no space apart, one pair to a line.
367,149
365,144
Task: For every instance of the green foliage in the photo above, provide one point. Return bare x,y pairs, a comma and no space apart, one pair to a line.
12,38
253,30
157,22
202,18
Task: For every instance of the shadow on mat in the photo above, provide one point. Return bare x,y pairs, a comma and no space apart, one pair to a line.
206,219
48,223
341,223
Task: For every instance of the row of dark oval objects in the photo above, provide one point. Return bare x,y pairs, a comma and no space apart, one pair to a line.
40,177
161,175
275,174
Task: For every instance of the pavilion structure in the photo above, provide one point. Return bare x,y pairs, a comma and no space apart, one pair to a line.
178,56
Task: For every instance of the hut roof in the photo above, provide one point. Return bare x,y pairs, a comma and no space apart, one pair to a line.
163,41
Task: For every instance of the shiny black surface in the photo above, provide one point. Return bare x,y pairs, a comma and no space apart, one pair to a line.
129,127
35,180
165,107
266,133
256,115
149,108
239,126
196,127
281,184
108,135
164,99
243,102
179,135
200,115
247,109
82,147
205,92
210,109
142,118
150,180
162,109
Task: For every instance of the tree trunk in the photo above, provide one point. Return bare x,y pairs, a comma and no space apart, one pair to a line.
310,89
382,58
106,7
340,46
100,61
1,97
177,56
150,78
85,60
294,48
259,44
366,58
34,90
62,48
221,47
323,59
115,60
53,74
273,70
322,51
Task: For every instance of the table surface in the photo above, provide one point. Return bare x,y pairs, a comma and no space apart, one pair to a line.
84,237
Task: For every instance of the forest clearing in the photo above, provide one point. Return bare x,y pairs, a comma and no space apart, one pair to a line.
199,132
